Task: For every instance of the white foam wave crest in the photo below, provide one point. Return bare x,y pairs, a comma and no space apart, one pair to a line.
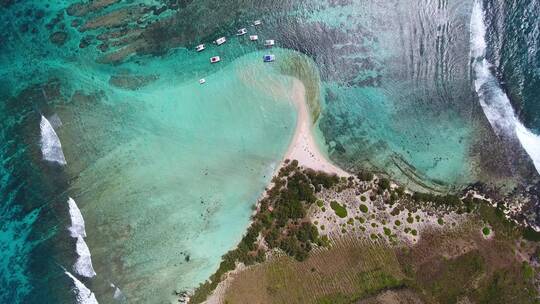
83,266
77,220
494,102
83,294
51,148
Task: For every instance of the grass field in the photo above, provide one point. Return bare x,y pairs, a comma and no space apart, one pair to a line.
348,271
457,266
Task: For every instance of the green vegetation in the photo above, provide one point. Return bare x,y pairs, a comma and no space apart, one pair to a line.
364,208
320,203
384,183
440,221
531,235
528,271
453,278
414,232
363,198
410,220
365,176
375,281
397,223
447,200
486,231
281,221
339,209
387,231
507,286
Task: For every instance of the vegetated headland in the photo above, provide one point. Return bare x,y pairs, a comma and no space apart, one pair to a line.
319,238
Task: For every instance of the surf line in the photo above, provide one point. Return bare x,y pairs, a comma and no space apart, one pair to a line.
495,103
51,148
83,265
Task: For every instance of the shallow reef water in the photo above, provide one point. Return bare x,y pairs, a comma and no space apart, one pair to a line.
165,170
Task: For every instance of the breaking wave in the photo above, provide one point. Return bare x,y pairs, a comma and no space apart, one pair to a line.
494,102
77,221
51,148
83,266
83,294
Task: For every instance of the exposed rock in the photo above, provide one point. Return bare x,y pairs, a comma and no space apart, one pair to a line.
85,41
23,28
131,82
39,14
80,9
117,18
103,47
58,38
6,3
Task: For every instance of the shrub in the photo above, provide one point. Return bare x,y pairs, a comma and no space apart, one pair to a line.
440,221
384,183
531,234
486,231
410,220
340,210
365,176
387,231
363,198
397,223
364,208
414,232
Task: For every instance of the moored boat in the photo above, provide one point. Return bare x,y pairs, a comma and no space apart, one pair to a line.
199,47
268,58
220,40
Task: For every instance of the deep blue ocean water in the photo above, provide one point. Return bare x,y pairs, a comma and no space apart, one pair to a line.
158,181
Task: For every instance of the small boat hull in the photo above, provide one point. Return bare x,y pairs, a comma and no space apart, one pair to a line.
268,58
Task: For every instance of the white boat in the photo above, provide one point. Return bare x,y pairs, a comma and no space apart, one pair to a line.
268,58
241,32
253,37
199,47
269,42
215,59
257,22
202,81
221,40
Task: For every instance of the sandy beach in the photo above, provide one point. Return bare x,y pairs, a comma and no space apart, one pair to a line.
303,146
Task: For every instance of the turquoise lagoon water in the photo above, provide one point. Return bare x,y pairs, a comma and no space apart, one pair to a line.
165,170
182,165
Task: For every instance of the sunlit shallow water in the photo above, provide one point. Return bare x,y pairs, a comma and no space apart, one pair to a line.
165,170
